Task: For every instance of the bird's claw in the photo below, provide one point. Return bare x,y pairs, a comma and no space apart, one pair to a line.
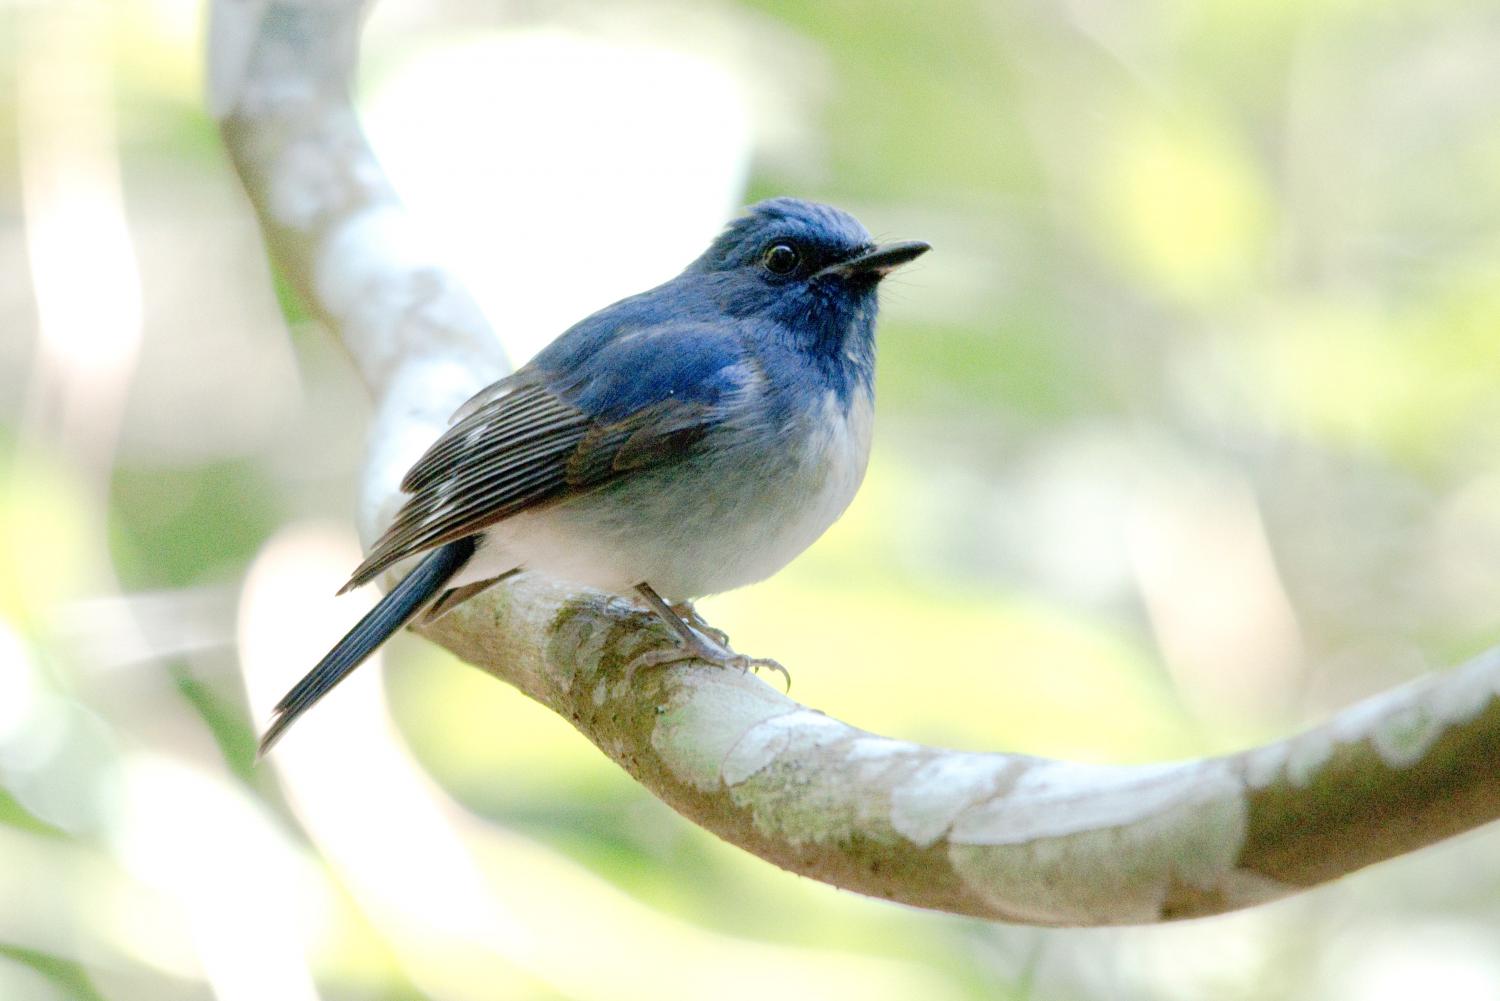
689,614
706,649
756,663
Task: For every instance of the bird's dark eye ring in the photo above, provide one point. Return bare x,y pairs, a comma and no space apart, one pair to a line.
782,259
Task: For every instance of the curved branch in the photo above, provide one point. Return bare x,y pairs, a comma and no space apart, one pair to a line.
1002,836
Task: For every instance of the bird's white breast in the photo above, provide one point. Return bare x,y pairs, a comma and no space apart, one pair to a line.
835,452
699,528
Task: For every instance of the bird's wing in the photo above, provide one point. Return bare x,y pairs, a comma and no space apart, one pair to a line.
539,436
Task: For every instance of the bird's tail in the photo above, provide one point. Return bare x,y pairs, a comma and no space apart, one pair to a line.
394,611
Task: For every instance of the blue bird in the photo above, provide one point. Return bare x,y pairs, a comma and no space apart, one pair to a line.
682,442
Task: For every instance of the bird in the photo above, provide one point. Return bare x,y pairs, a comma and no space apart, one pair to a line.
682,442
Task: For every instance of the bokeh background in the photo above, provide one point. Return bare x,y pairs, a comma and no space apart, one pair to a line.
1189,434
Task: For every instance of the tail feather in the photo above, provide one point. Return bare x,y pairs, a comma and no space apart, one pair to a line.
394,611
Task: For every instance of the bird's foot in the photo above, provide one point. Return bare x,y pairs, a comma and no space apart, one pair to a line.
685,611
705,648
697,640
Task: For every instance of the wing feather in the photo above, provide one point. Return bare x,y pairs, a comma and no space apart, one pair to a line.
496,425
520,444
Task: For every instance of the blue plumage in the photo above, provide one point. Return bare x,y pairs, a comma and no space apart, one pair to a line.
675,361
687,440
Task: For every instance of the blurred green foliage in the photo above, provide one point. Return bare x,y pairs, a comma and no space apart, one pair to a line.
1187,435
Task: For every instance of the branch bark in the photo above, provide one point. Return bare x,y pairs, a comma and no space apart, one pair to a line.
1002,836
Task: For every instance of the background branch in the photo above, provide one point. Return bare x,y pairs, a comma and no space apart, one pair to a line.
995,835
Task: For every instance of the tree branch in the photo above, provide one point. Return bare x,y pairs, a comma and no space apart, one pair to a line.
1001,836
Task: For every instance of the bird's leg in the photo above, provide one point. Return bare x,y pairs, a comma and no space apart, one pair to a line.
695,644
686,611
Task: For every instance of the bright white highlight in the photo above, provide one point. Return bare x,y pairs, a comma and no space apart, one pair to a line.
245,898
521,153
83,264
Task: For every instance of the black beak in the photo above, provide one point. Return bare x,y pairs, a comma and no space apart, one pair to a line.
880,261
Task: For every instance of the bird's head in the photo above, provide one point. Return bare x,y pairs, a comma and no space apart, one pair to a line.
808,266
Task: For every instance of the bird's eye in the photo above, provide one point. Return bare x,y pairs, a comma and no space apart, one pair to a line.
782,259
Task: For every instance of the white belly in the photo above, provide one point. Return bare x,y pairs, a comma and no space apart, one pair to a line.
698,527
